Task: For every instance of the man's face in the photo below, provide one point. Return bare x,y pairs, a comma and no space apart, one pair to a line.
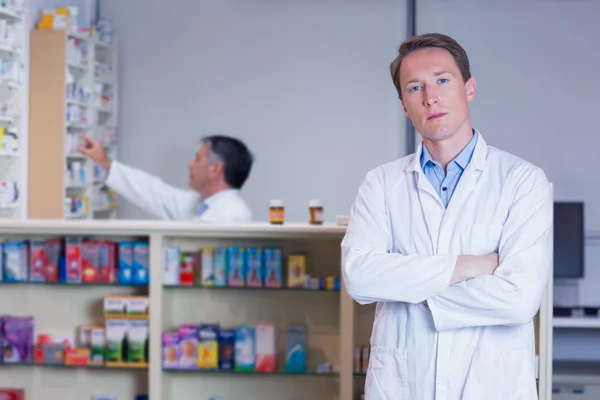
202,171
434,95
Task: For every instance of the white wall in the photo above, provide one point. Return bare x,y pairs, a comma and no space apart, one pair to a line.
304,83
536,63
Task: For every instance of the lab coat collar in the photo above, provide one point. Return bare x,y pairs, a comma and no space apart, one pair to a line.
219,195
477,162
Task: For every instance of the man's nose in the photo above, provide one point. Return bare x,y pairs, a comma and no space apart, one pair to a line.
431,97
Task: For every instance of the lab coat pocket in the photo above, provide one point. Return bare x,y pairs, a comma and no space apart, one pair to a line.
480,239
500,374
387,376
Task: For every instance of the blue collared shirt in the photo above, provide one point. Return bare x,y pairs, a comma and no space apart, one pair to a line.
445,183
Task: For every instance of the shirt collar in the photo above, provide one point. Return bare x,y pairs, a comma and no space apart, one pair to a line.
462,159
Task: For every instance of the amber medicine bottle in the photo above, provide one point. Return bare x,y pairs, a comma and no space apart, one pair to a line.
276,212
315,212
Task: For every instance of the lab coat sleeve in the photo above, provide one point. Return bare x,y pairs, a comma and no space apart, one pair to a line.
150,193
370,271
513,294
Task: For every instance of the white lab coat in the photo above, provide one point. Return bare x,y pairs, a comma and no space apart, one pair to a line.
167,202
473,340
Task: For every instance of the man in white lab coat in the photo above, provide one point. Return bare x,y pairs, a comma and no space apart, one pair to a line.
452,243
218,172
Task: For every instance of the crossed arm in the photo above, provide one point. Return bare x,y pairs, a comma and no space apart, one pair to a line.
460,290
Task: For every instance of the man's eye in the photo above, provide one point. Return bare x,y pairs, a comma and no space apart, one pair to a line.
414,88
443,80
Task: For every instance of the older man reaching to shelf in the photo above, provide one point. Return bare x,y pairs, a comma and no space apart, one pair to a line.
220,169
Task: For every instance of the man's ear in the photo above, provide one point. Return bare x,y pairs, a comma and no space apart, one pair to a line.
471,87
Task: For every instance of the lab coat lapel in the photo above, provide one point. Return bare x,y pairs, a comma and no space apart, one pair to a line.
471,175
426,206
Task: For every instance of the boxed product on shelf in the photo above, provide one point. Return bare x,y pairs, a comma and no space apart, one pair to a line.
295,349
16,334
237,266
74,260
12,394
122,306
244,348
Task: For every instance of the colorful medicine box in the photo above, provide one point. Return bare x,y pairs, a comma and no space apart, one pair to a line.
220,266
295,349
125,274
236,266
266,352
245,345
272,267
208,346
188,347
171,265
141,263
296,270
170,350
187,268
254,267
207,275
226,349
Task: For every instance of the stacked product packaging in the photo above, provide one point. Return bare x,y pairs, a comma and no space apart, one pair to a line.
122,341
242,348
252,267
75,260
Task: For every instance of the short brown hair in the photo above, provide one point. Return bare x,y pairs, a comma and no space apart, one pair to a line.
425,41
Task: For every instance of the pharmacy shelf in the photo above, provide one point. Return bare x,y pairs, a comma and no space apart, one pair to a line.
576,322
106,106
336,324
12,102
60,92
173,305
68,99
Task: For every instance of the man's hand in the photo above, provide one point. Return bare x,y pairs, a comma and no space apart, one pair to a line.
93,149
469,267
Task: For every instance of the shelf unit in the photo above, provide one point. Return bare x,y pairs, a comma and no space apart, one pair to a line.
106,120
12,104
72,92
335,323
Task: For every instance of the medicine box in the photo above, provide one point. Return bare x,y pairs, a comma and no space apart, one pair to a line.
254,267
138,341
137,306
171,265
295,349
141,263
296,270
84,337
53,252
116,340
236,266
90,261
108,262
272,267
208,346
170,350
97,345
187,268
37,260
226,349
125,274
115,306
188,346
266,352
73,261
207,275
245,345
14,256
220,266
